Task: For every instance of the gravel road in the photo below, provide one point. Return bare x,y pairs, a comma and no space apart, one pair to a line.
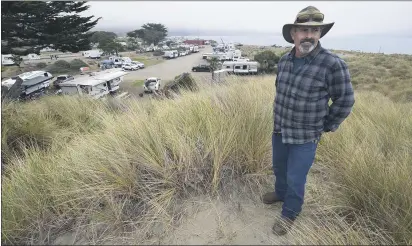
166,70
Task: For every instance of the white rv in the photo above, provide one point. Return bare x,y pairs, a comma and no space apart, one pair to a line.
196,49
241,67
7,60
170,54
237,54
33,57
93,54
96,85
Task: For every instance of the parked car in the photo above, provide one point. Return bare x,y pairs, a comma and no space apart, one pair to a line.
151,84
60,79
130,66
139,64
201,68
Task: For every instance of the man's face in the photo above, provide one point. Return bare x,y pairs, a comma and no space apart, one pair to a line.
305,38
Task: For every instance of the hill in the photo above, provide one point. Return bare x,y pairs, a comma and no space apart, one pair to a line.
192,169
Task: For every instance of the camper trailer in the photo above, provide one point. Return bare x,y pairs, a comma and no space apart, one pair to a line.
7,60
96,85
93,54
241,67
170,54
24,76
27,85
33,57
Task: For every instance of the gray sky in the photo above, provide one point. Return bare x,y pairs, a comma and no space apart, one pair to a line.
268,17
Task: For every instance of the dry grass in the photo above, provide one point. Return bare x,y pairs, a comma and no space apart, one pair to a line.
115,168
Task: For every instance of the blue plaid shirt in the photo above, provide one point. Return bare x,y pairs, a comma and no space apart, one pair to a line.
301,110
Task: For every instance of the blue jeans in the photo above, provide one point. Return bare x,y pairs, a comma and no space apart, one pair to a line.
291,164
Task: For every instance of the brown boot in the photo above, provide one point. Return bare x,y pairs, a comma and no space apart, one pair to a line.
270,198
282,226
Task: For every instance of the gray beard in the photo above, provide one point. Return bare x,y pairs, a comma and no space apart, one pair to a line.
306,49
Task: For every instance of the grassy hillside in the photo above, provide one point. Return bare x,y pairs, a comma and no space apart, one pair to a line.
390,75
112,168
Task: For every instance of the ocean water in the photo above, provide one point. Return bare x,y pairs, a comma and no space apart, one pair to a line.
374,44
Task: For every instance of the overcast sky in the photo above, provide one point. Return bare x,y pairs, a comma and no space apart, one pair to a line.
267,17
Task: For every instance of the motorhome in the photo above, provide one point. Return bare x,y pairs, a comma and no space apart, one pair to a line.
237,54
27,85
33,57
206,55
93,54
170,54
240,67
96,85
7,60
24,76
195,49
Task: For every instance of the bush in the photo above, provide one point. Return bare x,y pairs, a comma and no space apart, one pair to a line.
41,65
158,53
62,64
76,64
267,60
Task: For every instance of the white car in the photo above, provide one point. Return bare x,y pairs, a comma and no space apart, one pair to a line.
139,64
151,84
130,66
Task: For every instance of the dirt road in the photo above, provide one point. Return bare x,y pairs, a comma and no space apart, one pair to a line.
166,70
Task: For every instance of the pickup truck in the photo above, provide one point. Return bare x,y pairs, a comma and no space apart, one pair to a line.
201,68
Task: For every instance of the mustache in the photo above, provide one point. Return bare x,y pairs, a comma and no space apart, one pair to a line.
310,40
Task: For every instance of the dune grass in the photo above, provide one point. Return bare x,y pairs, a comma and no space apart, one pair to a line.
73,162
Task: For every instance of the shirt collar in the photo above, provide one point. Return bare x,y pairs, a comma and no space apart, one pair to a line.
309,57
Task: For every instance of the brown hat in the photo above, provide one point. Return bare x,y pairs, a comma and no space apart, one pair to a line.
311,17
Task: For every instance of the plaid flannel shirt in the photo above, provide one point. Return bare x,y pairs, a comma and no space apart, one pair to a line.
301,110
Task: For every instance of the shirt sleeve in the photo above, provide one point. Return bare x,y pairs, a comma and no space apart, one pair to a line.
341,92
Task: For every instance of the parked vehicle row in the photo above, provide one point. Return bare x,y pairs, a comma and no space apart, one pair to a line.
170,54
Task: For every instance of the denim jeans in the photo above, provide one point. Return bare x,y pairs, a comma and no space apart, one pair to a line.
291,164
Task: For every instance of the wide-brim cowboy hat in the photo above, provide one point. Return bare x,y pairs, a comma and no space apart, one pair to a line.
308,17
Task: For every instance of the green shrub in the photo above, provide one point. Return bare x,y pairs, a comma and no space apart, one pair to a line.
267,60
41,65
76,64
62,64
158,53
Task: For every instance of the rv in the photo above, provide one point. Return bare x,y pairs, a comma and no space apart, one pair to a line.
96,85
241,67
33,57
93,54
27,85
196,49
206,55
237,54
170,54
7,60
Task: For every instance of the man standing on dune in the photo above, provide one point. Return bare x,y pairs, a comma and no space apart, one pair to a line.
308,76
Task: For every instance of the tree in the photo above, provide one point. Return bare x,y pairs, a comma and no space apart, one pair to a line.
132,43
99,36
29,26
110,46
151,33
268,60
214,64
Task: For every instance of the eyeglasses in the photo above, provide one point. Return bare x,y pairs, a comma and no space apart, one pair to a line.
318,17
